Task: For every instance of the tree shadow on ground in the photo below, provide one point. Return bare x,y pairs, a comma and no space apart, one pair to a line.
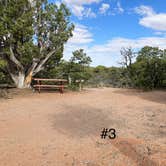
84,121
80,121
154,96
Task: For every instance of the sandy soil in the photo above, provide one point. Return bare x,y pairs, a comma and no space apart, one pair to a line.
51,129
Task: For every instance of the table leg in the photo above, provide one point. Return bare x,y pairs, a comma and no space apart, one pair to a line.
61,88
39,86
38,83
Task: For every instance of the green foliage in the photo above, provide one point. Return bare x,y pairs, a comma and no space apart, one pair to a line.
150,68
16,27
99,76
2,63
52,27
107,76
79,57
2,68
147,72
29,32
58,71
77,68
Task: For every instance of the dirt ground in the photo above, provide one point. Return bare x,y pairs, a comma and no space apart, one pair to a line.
53,129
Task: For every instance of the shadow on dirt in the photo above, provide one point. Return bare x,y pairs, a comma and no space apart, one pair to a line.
83,121
154,96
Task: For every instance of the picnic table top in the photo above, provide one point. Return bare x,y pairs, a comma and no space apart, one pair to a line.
51,86
50,79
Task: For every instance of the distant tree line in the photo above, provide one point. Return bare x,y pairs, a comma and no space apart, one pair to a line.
145,70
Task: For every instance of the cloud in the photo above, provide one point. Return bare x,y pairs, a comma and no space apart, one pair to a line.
81,35
114,45
78,9
160,33
156,22
108,53
119,7
151,19
81,12
144,10
81,2
117,10
89,13
104,7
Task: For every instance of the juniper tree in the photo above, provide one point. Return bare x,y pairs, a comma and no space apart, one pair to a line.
31,32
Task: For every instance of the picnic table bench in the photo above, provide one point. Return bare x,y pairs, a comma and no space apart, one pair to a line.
46,83
6,86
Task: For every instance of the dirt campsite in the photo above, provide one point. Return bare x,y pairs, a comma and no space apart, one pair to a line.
53,129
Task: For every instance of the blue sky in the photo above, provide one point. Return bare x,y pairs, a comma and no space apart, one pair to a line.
103,27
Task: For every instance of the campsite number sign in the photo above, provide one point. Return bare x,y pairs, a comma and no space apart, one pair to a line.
110,133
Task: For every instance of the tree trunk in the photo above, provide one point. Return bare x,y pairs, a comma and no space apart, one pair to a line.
21,81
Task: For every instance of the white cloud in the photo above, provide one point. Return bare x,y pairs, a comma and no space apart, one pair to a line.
80,12
81,38
104,7
108,54
156,22
81,35
89,13
116,44
119,7
151,19
78,9
81,2
160,33
144,10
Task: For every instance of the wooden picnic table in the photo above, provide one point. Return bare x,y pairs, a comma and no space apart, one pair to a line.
42,83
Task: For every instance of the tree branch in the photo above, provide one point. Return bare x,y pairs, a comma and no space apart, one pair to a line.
14,77
13,59
32,68
42,62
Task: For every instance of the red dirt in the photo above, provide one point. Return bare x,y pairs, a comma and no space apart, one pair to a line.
52,129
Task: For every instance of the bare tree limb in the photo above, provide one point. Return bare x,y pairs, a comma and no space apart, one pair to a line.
14,59
32,67
42,62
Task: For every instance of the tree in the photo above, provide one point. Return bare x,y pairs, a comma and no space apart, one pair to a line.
75,68
31,33
127,57
100,76
78,65
150,68
127,60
